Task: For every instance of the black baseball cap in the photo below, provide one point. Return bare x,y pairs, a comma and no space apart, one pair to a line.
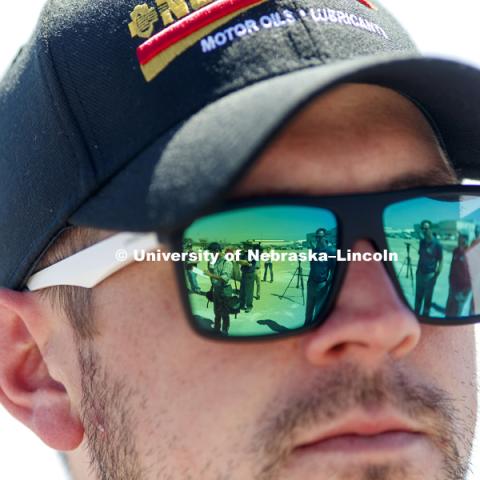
134,116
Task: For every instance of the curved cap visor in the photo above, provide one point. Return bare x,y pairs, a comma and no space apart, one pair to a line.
195,163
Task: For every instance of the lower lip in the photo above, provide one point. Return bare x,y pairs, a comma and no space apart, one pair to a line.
356,444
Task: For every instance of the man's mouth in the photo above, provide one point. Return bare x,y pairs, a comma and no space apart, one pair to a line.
375,434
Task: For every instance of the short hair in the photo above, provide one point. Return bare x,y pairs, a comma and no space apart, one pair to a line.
214,247
321,229
423,222
76,302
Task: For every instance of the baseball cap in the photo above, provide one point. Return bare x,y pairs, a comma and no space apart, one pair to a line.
135,116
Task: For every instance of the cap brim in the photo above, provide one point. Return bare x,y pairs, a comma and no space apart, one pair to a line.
196,162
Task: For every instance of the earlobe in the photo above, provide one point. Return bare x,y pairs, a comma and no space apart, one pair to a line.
27,390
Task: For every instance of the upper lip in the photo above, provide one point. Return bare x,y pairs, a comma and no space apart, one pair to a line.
361,424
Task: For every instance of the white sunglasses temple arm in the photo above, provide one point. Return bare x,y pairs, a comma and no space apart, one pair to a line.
90,266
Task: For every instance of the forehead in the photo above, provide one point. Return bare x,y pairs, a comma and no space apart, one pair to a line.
356,138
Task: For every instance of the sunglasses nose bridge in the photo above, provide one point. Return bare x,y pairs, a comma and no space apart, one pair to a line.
361,223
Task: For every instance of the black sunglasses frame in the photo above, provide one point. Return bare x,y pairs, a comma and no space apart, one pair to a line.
365,222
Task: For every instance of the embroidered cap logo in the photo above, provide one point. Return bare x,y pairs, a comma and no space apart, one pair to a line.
184,25
143,21
368,4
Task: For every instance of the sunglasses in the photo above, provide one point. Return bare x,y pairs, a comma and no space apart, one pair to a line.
438,279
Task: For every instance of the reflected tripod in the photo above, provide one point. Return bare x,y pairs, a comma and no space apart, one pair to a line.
407,264
299,274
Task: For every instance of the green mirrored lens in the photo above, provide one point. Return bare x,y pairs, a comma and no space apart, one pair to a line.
437,240
268,273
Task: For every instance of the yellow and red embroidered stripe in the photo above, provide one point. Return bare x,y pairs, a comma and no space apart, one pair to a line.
157,52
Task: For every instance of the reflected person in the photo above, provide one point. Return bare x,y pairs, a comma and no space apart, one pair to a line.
258,266
459,279
268,267
236,274
220,275
430,257
247,284
474,244
319,276
189,265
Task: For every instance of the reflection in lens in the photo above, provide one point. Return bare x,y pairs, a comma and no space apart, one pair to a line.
437,240
268,271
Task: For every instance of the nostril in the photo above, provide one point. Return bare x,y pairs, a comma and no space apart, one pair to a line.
339,348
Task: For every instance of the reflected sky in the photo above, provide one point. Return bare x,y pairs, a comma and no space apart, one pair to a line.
269,223
411,212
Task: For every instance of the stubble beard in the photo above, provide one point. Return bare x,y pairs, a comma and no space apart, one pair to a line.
108,413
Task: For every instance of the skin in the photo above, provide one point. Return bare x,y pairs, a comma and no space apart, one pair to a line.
427,232
148,399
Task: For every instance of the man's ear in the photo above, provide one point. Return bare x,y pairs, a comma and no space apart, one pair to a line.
27,389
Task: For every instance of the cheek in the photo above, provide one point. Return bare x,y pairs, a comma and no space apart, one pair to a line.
140,316
146,341
447,357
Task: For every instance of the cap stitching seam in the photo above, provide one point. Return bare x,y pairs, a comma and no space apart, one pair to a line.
84,111
307,30
73,118
63,131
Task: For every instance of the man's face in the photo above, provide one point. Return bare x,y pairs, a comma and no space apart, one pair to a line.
320,235
426,231
370,394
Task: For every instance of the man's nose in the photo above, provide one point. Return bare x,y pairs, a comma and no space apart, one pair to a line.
369,321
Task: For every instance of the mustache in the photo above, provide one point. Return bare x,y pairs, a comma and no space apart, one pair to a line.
333,393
